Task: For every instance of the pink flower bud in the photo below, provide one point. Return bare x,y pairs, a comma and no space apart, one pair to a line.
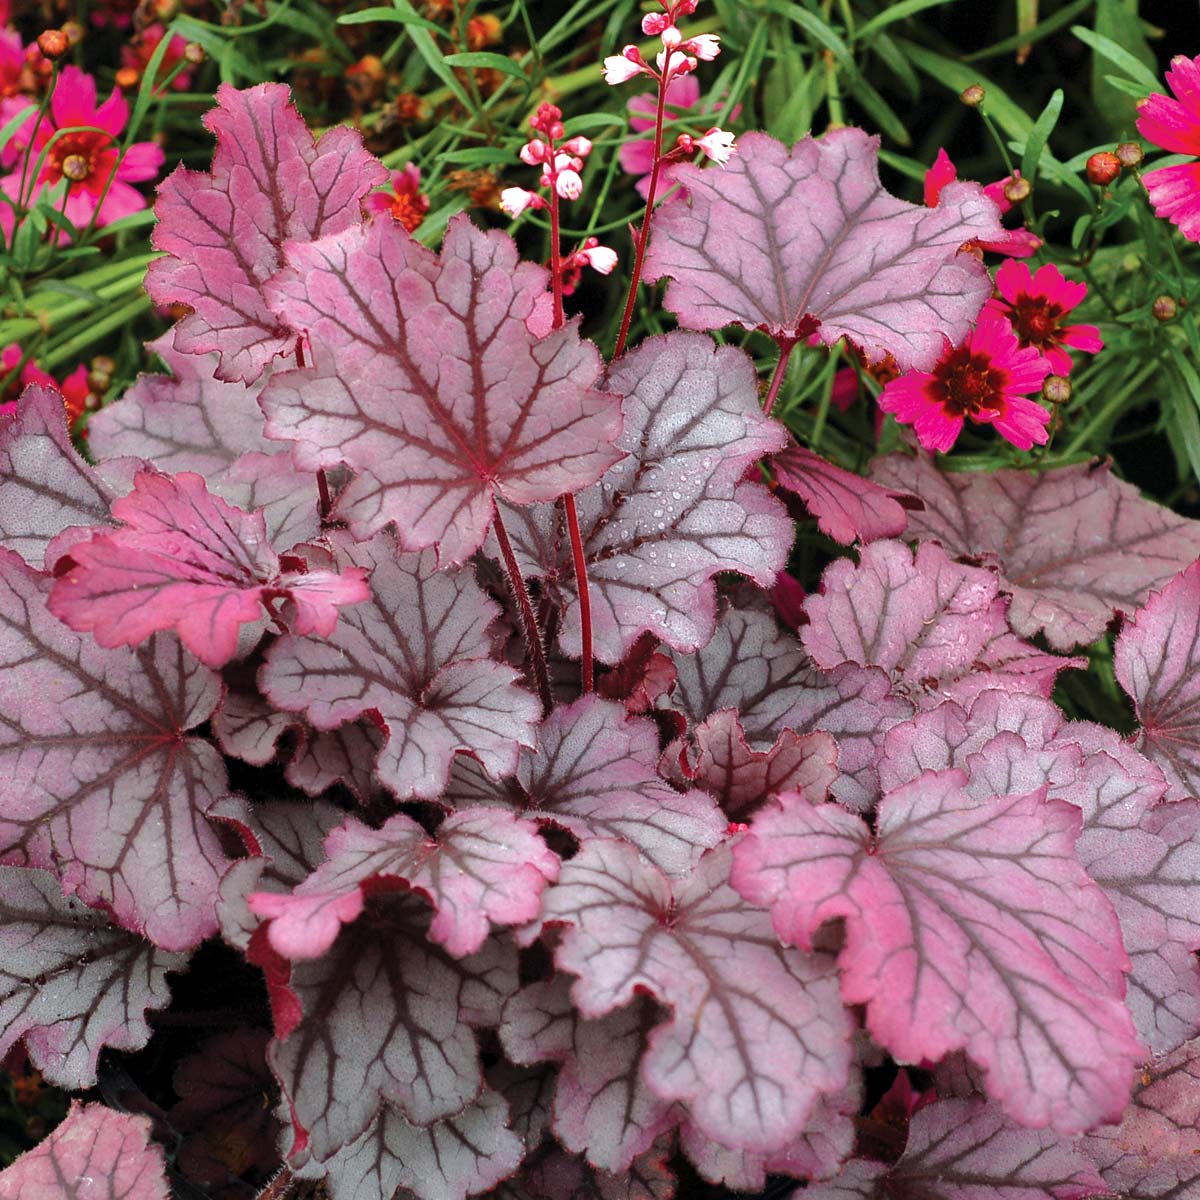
534,152
671,37
718,144
579,146
620,68
569,185
515,201
681,63
654,23
705,46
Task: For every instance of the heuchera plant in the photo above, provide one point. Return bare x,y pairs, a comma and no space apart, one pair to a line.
602,866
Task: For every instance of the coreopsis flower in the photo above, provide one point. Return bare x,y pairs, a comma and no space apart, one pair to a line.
402,200
74,388
1016,243
1174,124
136,56
98,176
1037,307
986,379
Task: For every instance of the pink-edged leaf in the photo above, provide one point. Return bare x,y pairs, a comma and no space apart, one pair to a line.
45,487
969,925
553,1174
95,1154
1154,1153
674,513
388,1018
1074,545
484,867
70,983
969,1150
416,656
937,628
224,231
807,240
248,727
285,841
1157,661
603,1109
344,755
756,1031
449,1160
428,382
817,1153
228,1127
185,560
764,674
742,778
594,774
99,781
848,508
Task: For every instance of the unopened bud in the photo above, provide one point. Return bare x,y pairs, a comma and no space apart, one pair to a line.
1017,189
127,78
1164,308
194,53
53,43
1103,168
1129,154
972,96
73,31
1056,389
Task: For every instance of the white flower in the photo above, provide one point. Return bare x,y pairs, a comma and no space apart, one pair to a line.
569,185
600,258
515,201
705,46
620,68
719,145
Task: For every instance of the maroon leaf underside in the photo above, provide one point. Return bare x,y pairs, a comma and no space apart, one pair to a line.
757,1032
808,240
94,1154
594,775
224,231
674,512
416,658
1074,545
1157,661
70,983
99,781
388,1018
46,489
427,380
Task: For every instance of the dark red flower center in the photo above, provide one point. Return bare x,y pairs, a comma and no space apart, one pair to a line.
84,159
967,384
1036,321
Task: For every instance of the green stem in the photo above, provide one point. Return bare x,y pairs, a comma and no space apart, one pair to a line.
117,319
1110,407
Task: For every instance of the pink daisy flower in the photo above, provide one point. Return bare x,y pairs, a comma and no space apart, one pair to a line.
404,202
1036,305
87,159
985,379
1175,125
1016,243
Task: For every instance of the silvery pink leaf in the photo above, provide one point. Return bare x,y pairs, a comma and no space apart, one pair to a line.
427,381
285,843
935,626
228,1127
553,1174
848,508
451,1159
817,1153
344,755
485,866
969,1150
248,727
71,983
387,1019
99,781
1157,661
674,513
602,1107
416,657
271,484
45,487
763,673
594,774
224,231
1074,545
1154,1153
756,1030
530,1094
722,763
185,560
952,906
95,1154
808,240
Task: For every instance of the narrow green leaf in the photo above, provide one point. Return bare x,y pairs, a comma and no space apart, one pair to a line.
1132,67
488,61
428,50
897,12
476,156
1041,31
402,14
814,27
586,121
1040,134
